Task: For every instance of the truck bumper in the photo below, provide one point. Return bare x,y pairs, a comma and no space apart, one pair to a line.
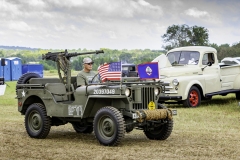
164,98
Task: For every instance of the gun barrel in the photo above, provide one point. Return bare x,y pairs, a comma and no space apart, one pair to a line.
53,55
84,53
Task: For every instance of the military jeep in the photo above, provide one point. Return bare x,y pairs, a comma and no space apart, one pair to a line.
109,109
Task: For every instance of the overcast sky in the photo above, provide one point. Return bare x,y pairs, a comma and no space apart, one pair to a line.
113,24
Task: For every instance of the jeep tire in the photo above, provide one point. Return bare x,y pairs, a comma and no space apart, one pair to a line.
161,132
109,126
24,79
79,128
37,123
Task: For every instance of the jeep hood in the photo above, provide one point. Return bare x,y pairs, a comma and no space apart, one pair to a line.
167,70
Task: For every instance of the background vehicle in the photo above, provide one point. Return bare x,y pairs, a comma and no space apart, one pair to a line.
129,70
231,61
109,109
194,74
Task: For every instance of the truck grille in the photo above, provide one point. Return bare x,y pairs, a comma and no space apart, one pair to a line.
142,97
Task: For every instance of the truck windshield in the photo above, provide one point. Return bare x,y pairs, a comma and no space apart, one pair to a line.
183,57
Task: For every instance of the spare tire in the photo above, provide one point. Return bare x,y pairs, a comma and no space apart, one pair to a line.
24,79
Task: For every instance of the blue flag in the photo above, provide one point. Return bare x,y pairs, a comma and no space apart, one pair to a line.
148,70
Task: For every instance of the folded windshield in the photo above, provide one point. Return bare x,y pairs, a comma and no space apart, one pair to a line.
183,57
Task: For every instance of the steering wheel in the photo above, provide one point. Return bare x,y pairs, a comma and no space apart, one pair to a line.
97,77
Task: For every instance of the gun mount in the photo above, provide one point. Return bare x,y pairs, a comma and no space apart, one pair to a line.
63,63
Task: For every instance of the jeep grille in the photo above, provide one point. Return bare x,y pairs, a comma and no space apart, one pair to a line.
142,97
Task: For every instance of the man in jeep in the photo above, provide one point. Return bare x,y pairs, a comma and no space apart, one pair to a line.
86,75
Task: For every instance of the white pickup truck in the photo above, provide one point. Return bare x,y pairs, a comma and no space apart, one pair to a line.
193,74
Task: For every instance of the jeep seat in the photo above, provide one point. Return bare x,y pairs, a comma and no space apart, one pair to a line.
58,90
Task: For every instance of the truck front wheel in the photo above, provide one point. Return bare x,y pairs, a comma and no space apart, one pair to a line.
160,133
37,123
193,98
109,126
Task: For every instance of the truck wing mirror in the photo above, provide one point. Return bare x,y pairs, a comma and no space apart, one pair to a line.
3,62
209,63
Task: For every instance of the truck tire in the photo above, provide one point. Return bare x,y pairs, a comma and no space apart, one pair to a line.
37,123
193,99
109,126
79,128
160,133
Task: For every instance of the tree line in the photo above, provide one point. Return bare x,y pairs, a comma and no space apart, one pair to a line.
175,36
184,35
136,56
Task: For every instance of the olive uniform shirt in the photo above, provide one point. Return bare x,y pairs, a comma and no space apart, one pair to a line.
84,78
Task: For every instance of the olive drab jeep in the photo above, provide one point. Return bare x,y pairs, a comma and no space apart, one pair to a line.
109,109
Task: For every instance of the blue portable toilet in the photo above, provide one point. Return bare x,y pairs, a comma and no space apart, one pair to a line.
16,68
5,70
35,68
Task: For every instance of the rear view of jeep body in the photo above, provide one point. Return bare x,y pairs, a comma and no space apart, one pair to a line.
109,109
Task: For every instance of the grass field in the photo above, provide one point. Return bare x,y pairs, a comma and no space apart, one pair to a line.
211,131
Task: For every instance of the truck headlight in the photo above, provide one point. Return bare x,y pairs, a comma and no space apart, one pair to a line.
175,82
127,92
156,91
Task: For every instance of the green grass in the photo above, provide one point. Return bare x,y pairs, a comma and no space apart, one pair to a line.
210,131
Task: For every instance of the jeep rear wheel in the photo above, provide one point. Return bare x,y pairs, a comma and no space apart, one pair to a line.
109,126
193,99
37,123
160,133
79,128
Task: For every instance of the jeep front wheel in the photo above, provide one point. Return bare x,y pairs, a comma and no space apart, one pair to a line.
161,132
109,126
37,123
193,98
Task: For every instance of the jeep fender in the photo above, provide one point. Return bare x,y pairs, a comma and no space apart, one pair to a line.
40,98
95,102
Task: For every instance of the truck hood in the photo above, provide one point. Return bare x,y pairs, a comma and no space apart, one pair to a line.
176,71
168,70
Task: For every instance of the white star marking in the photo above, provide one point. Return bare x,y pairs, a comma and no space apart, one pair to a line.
23,93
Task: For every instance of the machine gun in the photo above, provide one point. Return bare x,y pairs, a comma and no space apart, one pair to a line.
63,63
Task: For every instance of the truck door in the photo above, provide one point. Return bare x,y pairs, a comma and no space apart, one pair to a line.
211,73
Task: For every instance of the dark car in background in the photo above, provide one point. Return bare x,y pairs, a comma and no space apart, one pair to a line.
129,70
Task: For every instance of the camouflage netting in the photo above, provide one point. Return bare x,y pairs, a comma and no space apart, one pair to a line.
156,114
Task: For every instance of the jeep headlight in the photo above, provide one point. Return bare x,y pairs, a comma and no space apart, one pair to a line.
156,91
127,92
175,82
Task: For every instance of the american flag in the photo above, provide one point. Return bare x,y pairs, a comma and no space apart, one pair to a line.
110,71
